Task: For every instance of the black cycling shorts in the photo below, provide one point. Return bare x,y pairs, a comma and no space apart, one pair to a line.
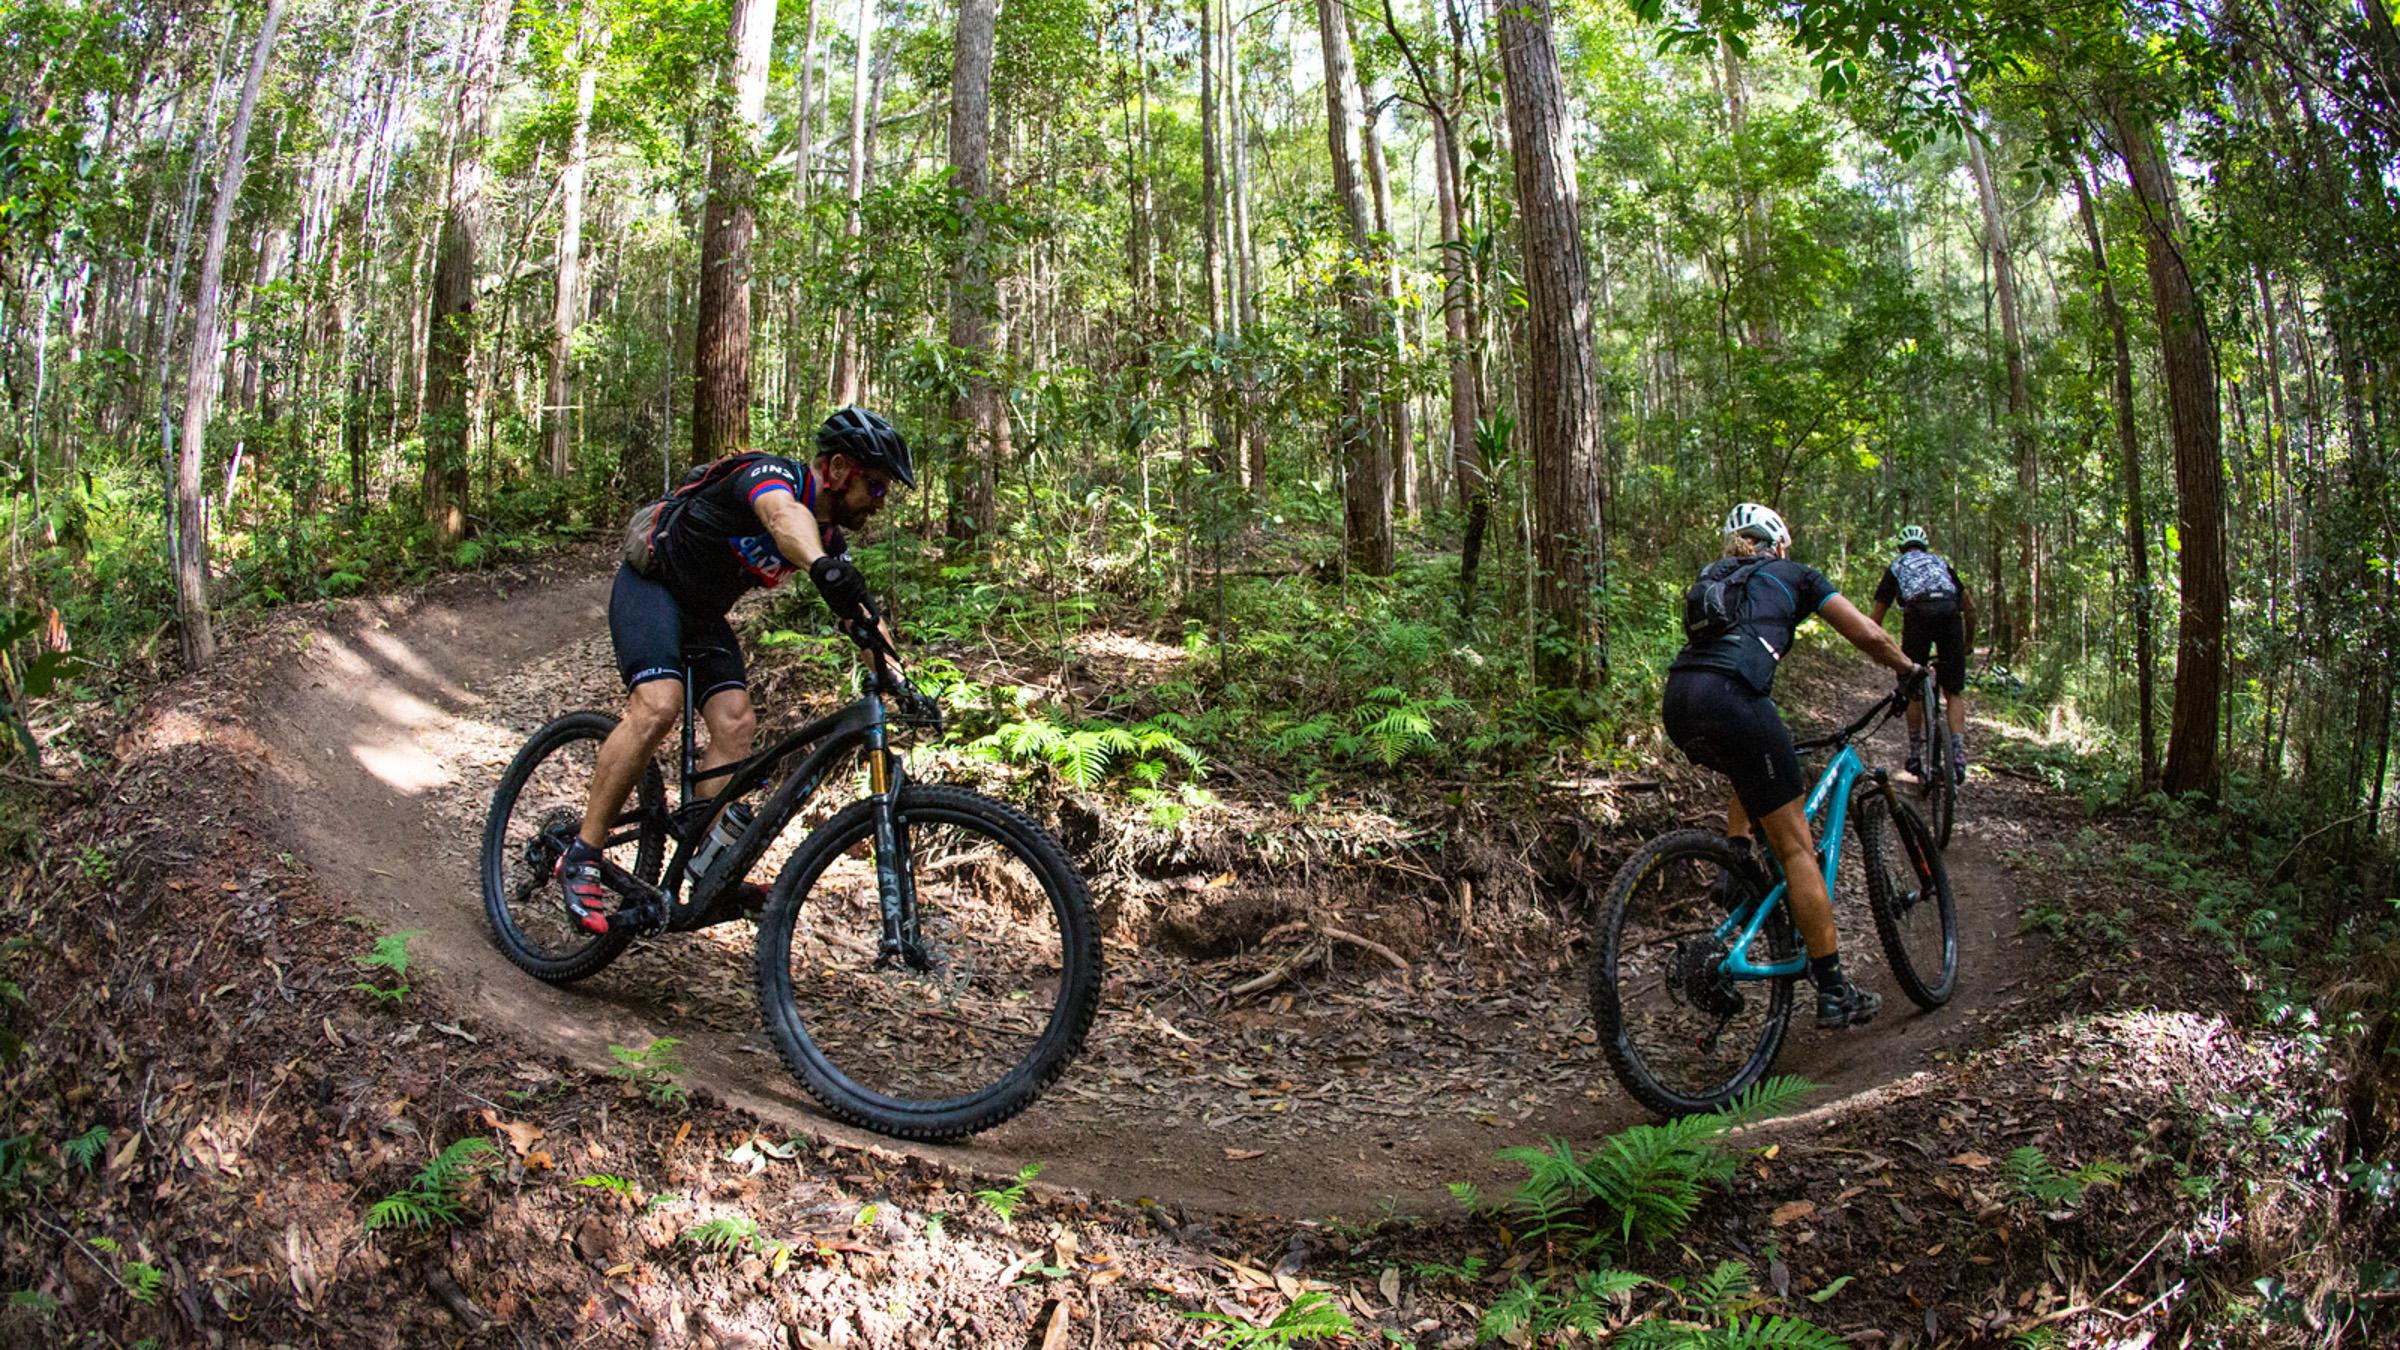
1922,634
1719,723
654,632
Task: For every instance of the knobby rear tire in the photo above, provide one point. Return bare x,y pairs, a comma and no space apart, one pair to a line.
1616,1026
1941,790
1905,873
578,955
1069,1018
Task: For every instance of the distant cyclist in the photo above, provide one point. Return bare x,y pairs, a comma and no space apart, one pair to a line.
733,525
1935,615
1739,621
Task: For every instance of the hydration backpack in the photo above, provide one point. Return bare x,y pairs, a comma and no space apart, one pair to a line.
640,549
1922,576
1715,604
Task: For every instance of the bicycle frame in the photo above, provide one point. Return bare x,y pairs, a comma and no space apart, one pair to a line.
1827,802
861,726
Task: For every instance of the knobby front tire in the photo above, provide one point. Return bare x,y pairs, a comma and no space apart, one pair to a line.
1941,790
1679,1037
538,804
1908,888
1014,982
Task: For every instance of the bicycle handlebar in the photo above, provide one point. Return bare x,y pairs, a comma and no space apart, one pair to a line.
1888,706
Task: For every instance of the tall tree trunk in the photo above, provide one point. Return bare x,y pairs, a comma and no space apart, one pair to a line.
2192,417
1558,385
1253,427
1367,477
199,390
1399,456
2020,395
721,353
450,335
976,409
1212,227
1466,456
847,372
2129,461
566,312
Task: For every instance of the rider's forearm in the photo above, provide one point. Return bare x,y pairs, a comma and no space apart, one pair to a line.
1865,634
793,528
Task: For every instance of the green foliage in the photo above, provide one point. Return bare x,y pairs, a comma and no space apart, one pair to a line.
725,1234
33,1301
1313,1316
390,954
85,1149
2033,1177
1084,754
1649,1178
432,1198
653,1069
94,863
1003,1201
613,1184
143,1281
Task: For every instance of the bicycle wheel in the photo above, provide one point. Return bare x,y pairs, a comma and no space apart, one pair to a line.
535,811
1680,1035
1908,888
1012,983
1940,789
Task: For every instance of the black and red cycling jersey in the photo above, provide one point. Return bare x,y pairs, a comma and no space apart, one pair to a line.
714,547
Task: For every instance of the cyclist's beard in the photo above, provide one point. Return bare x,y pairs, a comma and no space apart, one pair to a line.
846,516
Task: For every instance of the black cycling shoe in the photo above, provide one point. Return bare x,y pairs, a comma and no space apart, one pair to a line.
582,890
1915,766
1845,1005
1958,766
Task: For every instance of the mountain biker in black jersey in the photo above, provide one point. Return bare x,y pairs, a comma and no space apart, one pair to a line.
1718,712
735,524
1936,612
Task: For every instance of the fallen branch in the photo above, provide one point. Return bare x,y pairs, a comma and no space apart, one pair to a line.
1369,944
1307,956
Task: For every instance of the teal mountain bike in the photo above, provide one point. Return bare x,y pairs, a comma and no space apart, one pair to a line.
1691,1000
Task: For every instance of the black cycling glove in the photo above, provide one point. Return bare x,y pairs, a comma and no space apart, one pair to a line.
843,586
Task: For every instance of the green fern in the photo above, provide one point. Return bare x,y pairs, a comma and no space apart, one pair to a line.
143,1281
390,953
724,1235
1313,1316
34,1301
653,1069
2033,1177
1726,1292
84,1150
1004,1200
614,1185
1772,1333
433,1196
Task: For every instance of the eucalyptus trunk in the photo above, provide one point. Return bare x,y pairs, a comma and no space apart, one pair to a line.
450,327
566,312
1366,472
721,352
976,408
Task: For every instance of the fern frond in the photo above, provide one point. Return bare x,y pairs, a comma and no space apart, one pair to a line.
1776,1333
1512,1312
1766,1099
84,1150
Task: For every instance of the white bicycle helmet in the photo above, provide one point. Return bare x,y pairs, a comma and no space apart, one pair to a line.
1759,522
1913,535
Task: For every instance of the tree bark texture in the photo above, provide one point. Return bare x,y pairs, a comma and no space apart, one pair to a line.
1559,392
976,407
721,351
199,640
559,391
450,329
2129,461
2020,394
1212,226
1366,472
848,374
2192,418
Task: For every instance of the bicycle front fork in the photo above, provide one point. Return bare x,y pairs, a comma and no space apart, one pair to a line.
895,874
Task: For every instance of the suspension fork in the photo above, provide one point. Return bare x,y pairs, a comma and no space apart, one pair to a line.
895,870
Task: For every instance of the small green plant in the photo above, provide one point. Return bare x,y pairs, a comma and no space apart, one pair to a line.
391,953
614,1185
1003,1201
33,1301
84,1150
724,1235
1085,754
95,864
1588,1305
1313,1316
652,1068
1650,1177
143,1281
433,1196
2032,1176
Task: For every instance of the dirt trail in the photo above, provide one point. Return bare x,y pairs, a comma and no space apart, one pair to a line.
387,733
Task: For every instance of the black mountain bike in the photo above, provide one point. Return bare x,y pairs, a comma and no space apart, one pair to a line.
926,963
1936,786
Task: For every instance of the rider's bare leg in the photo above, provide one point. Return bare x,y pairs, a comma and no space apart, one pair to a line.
1787,833
650,713
732,730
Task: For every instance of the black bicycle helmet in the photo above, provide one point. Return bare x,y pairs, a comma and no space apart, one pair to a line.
866,439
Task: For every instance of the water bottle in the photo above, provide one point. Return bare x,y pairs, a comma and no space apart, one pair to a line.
731,824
